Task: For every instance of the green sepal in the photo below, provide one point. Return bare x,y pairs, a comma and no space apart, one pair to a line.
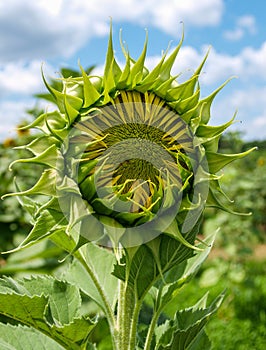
70,111
216,161
84,228
150,80
165,73
109,85
212,145
188,116
87,187
113,228
182,91
123,80
187,104
101,206
204,106
55,120
210,135
174,232
129,217
46,224
111,66
46,185
216,187
50,157
62,99
91,94
40,144
32,206
207,131
213,201
138,67
162,87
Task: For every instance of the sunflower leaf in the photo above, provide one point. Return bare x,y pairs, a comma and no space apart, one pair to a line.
187,328
191,268
101,263
48,305
21,338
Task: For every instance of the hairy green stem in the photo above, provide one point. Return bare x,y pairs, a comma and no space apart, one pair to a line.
134,324
150,333
158,307
126,308
108,310
120,312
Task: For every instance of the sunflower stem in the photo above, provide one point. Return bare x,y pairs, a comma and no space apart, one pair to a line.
134,324
150,333
125,311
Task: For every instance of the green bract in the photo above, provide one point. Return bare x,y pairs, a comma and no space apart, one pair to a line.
129,156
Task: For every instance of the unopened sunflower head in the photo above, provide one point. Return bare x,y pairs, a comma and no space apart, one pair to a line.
129,155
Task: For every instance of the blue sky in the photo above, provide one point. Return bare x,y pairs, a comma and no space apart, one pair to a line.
61,32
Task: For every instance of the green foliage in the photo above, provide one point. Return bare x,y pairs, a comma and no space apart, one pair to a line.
21,338
245,182
12,216
185,330
244,315
54,307
56,314
97,301
240,321
48,305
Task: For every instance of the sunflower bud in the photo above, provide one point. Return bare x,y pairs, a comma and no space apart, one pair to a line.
129,155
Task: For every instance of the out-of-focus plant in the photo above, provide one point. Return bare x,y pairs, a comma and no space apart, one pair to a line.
130,164
12,215
245,181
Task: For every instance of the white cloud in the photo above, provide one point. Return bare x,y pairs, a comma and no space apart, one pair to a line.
247,22
255,61
51,6
235,34
249,102
11,114
260,121
167,14
46,28
20,78
244,25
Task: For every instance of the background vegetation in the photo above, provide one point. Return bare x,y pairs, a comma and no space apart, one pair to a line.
237,262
